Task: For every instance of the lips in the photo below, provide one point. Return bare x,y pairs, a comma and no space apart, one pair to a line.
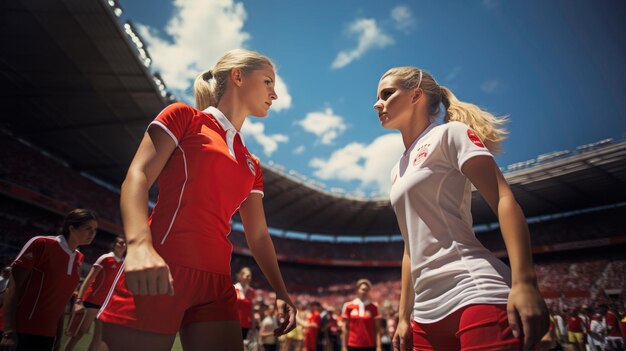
383,116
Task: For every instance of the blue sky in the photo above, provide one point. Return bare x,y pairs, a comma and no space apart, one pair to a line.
557,68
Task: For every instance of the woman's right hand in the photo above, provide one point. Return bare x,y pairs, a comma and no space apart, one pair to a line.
403,338
147,274
9,342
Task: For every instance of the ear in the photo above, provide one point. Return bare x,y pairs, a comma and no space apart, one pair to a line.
417,94
236,76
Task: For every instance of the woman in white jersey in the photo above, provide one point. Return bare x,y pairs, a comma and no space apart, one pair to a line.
460,295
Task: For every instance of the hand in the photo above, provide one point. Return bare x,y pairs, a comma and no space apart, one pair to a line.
78,307
403,338
286,315
527,312
9,342
146,272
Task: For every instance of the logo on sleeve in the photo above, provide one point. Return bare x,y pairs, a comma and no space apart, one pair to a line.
474,138
393,181
250,163
28,255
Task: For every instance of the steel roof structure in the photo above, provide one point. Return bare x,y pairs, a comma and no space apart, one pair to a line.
75,81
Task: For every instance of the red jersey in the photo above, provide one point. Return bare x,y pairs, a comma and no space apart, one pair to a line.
245,299
310,333
613,323
360,317
54,276
574,324
205,180
99,288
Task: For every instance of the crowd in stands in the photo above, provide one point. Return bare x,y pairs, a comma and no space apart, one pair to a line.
25,166
570,283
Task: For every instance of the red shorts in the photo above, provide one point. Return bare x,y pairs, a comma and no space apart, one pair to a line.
199,296
473,327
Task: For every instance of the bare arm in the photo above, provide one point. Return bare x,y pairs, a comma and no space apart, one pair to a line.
146,272
262,248
15,291
403,338
93,273
526,305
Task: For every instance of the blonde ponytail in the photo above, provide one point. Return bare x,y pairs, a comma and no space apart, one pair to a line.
203,91
209,86
488,127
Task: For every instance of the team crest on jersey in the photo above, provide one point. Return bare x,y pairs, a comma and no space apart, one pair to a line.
422,153
250,163
474,138
354,312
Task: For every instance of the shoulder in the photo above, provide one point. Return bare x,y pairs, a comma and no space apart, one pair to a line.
181,107
454,127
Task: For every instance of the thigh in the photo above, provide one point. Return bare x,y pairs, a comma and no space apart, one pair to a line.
486,327
211,335
119,338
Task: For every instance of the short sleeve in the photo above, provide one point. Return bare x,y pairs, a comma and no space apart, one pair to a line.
258,180
375,313
463,144
100,259
345,311
31,253
174,120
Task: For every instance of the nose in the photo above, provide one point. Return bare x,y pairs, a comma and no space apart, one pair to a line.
378,106
273,95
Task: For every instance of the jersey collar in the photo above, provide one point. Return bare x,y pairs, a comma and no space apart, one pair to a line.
428,129
231,132
64,245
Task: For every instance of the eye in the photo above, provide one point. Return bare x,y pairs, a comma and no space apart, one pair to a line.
268,82
385,94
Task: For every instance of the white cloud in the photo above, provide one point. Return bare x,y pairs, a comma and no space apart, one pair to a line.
403,18
490,86
284,99
490,4
326,125
300,149
369,36
369,164
453,74
269,143
200,31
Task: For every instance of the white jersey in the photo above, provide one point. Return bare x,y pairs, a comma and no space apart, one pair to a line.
432,199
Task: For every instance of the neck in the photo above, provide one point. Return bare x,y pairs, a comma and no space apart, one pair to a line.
232,108
243,285
72,243
416,126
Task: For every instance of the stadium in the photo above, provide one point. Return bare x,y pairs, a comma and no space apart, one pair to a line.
71,124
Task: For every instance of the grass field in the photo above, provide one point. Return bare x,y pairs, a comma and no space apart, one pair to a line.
83,344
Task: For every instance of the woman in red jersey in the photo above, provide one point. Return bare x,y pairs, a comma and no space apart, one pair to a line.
361,321
177,269
92,293
460,295
245,301
44,276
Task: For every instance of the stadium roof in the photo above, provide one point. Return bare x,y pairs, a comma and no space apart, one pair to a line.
74,81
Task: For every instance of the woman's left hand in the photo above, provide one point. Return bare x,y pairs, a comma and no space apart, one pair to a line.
527,314
286,315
